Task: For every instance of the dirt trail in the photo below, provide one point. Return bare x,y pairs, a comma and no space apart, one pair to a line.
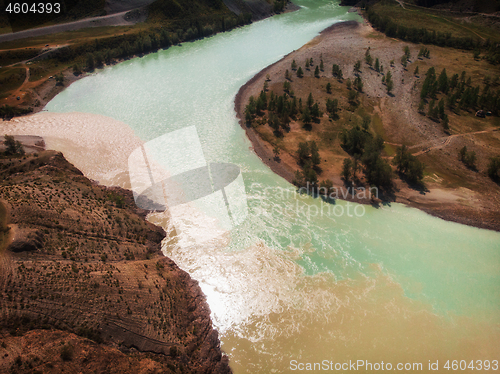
117,19
446,141
401,3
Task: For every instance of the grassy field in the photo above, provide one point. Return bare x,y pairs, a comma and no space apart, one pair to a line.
11,79
73,37
439,21
190,20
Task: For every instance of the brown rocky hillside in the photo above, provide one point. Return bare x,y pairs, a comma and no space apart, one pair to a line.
84,286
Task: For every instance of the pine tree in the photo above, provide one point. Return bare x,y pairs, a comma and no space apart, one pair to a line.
441,108
315,113
430,112
286,86
377,65
347,170
315,158
90,66
407,52
388,82
442,81
404,61
310,101
421,106
369,59
357,66
300,73
316,72
446,123
416,71
358,84
332,106
276,151
306,116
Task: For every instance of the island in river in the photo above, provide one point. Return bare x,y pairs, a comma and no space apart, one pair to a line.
450,189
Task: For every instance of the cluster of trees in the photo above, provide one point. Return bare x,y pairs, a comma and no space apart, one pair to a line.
366,149
379,68
308,64
93,55
387,80
337,72
282,109
368,57
494,169
467,157
13,147
188,8
309,160
459,94
7,111
421,35
17,77
332,107
408,165
418,35
406,57
279,5
358,84
424,52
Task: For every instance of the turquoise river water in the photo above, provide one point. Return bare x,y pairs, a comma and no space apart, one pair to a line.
290,286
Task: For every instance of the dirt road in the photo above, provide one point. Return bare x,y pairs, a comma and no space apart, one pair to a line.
124,18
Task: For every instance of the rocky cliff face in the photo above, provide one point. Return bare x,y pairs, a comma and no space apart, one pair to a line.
84,265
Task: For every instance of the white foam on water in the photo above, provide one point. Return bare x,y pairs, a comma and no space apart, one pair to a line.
97,145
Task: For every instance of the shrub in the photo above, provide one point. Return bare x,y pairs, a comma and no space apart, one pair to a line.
67,352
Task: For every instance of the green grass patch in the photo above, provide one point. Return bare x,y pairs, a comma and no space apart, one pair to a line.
378,126
10,80
433,20
72,37
17,55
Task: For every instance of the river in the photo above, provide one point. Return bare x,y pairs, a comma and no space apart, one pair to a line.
293,284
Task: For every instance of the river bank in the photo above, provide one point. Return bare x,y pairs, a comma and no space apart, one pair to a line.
84,260
446,196
33,94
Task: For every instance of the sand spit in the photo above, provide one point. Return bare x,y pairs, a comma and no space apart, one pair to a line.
345,43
